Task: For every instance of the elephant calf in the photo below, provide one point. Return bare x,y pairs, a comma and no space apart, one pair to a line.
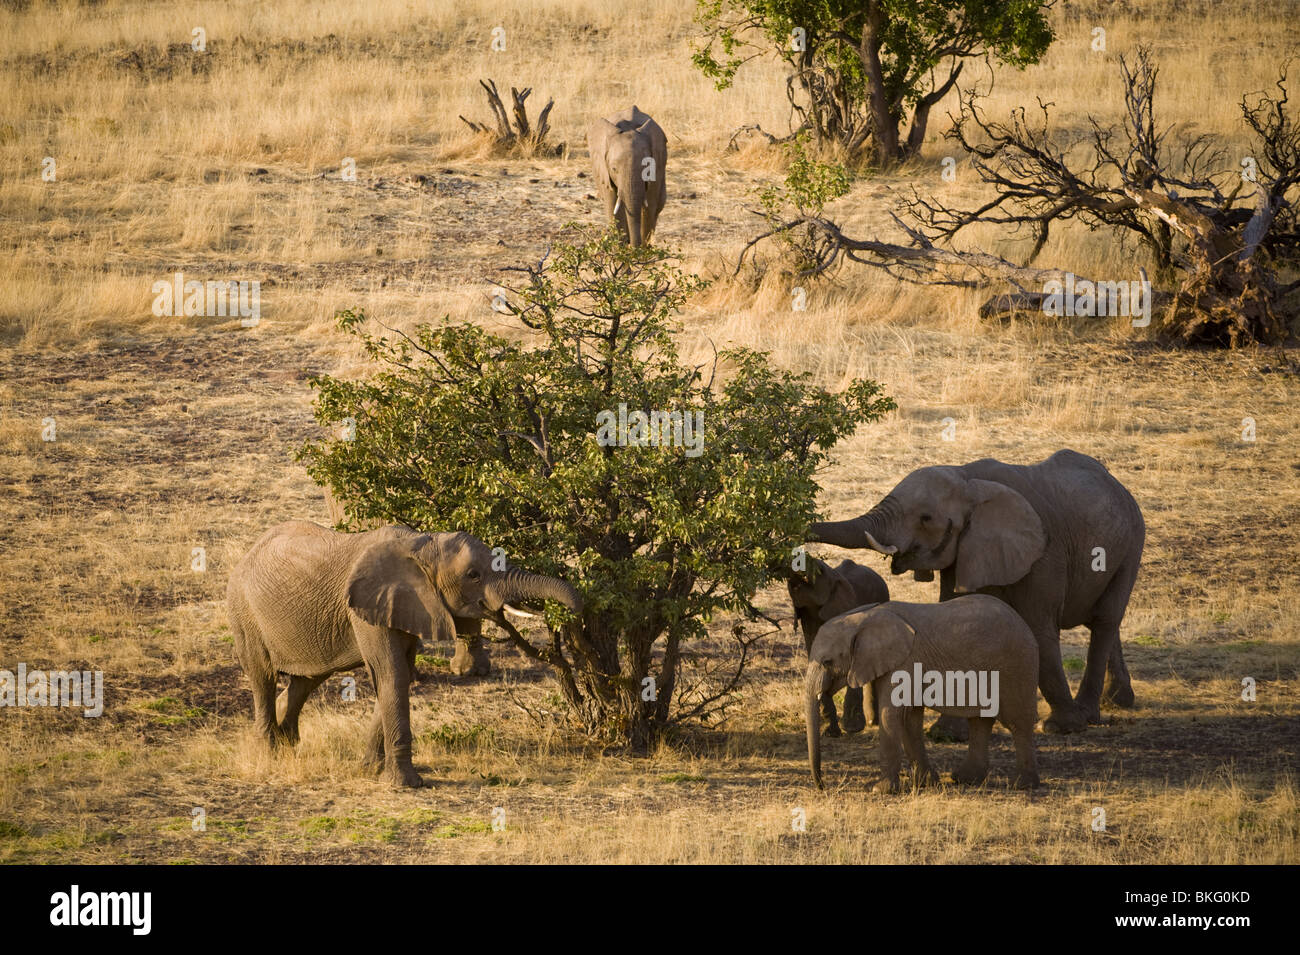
309,602
986,660
820,593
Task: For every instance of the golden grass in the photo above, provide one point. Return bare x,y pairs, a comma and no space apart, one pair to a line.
176,433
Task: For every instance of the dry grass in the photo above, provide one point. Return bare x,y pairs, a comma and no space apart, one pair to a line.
176,433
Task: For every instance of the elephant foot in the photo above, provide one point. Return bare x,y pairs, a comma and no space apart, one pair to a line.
471,658
949,729
925,777
969,775
832,729
1072,720
289,735
405,777
1118,694
854,720
886,786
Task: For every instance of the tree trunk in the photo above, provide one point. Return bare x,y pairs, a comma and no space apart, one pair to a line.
884,123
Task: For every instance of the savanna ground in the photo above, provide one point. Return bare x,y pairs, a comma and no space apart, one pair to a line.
177,433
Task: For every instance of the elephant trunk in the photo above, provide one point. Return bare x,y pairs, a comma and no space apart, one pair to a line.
871,529
518,585
634,203
816,683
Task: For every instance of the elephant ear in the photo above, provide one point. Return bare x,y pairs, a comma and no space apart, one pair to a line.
1003,538
388,588
883,643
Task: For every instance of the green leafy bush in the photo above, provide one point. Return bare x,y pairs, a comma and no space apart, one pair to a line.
501,435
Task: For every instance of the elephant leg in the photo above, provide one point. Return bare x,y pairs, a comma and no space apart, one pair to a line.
875,706
828,713
855,721
950,729
975,767
471,657
923,773
891,733
1118,689
1107,616
289,704
618,213
1026,753
374,758
1067,716
393,671
261,676
264,707
1088,699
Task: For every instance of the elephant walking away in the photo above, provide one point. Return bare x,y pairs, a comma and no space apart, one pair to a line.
629,154
309,602
1060,541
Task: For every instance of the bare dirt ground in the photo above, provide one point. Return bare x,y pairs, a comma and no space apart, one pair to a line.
176,434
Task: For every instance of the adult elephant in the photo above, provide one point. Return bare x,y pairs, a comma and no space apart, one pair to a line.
629,153
309,602
471,655
1060,541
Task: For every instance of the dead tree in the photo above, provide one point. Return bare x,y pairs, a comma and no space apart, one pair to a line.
523,135
1215,230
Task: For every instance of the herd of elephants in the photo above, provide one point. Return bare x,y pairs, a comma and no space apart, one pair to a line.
1022,552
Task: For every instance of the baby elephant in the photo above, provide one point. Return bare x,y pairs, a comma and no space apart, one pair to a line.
309,602
971,656
820,593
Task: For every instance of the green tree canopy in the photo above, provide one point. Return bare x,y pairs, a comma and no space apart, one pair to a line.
516,437
858,67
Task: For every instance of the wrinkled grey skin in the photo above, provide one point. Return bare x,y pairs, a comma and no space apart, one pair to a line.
619,147
977,632
1025,534
471,656
820,593
309,602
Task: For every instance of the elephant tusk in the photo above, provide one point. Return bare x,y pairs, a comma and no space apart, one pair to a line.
876,545
617,205
517,612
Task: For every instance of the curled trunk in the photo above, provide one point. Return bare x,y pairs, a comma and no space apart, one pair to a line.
518,585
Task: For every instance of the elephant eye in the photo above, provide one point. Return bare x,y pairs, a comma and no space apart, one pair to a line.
474,575
926,518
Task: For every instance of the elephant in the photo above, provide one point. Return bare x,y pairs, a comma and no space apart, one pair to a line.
471,656
971,642
629,154
820,593
1060,541
308,602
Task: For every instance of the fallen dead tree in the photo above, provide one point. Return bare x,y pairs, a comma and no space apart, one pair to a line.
523,135
1217,232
